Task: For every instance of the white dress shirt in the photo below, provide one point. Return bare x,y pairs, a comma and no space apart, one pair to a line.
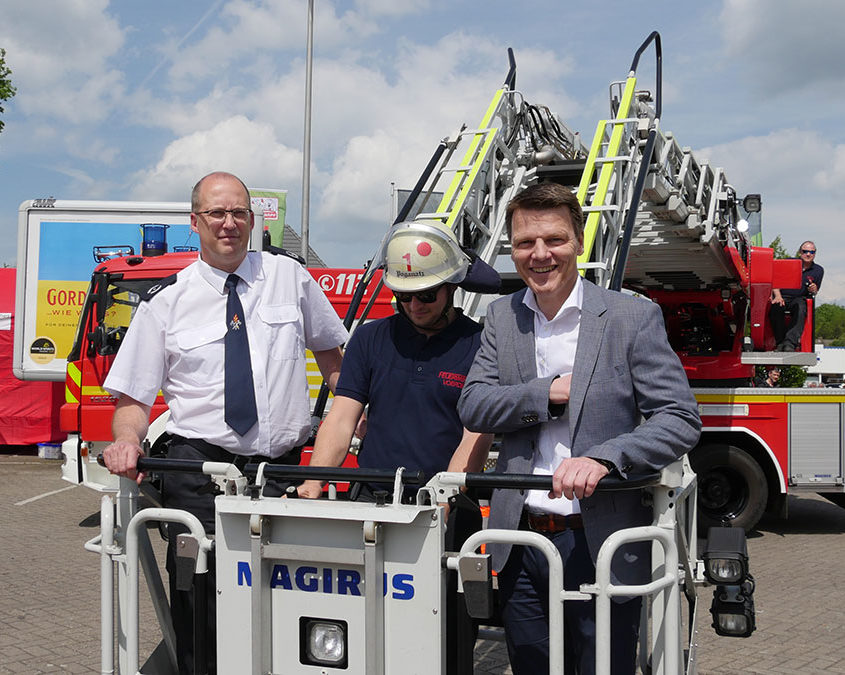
175,344
555,342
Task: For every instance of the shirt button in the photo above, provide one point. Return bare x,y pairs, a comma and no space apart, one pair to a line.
419,369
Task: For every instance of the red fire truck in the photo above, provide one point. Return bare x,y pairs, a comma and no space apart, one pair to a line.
659,222
757,444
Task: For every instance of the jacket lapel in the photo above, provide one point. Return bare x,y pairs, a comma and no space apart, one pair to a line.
523,339
590,333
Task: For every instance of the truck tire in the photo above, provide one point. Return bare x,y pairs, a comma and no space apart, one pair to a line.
731,487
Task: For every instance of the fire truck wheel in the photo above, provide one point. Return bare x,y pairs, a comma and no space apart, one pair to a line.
731,487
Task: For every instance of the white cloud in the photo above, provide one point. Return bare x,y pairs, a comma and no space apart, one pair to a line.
249,29
392,7
787,161
830,175
785,45
238,145
59,53
360,183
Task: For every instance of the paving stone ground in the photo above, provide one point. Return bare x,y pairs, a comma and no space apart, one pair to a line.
49,585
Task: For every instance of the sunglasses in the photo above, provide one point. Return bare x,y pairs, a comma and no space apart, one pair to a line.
425,297
807,250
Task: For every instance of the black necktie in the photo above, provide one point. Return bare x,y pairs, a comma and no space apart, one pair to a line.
239,394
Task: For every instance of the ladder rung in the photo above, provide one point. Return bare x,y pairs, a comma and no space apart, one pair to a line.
617,158
456,169
435,215
475,132
606,207
592,266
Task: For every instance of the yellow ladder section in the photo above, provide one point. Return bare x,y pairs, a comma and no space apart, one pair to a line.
591,227
471,164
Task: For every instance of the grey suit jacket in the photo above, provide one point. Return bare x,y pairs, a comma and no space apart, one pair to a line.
624,371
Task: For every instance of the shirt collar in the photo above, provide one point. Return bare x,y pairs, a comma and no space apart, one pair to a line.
248,271
575,300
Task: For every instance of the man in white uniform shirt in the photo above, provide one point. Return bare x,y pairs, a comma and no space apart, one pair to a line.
566,372
175,344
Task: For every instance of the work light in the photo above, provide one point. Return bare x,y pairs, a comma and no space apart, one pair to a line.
726,555
733,609
752,203
726,565
323,642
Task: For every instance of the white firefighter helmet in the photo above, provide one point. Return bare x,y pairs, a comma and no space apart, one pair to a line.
418,255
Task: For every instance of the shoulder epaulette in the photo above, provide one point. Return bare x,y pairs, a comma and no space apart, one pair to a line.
156,287
275,250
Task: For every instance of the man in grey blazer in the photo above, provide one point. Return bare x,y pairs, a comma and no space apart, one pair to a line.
581,382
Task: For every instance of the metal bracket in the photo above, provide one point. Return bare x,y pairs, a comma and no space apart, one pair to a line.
187,549
476,583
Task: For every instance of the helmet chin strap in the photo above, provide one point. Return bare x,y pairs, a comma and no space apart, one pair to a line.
444,316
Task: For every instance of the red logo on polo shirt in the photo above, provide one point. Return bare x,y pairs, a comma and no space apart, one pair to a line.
452,379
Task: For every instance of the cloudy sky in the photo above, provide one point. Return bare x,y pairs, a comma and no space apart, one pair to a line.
137,100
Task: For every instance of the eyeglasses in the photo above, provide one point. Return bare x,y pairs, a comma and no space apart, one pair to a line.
425,297
218,216
808,250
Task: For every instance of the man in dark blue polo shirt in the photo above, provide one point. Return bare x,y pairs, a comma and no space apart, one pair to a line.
410,368
794,301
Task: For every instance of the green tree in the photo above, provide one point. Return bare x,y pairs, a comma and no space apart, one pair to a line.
830,322
6,88
780,251
790,376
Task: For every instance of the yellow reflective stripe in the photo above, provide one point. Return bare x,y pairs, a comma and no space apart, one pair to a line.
75,376
470,153
74,373
815,399
93,390
593,219
591,226
491,109
313,375
746,398
770,398
470,178
589,167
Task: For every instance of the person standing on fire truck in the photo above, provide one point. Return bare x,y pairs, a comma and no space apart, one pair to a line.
409,368
566,373
224,340
794,301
